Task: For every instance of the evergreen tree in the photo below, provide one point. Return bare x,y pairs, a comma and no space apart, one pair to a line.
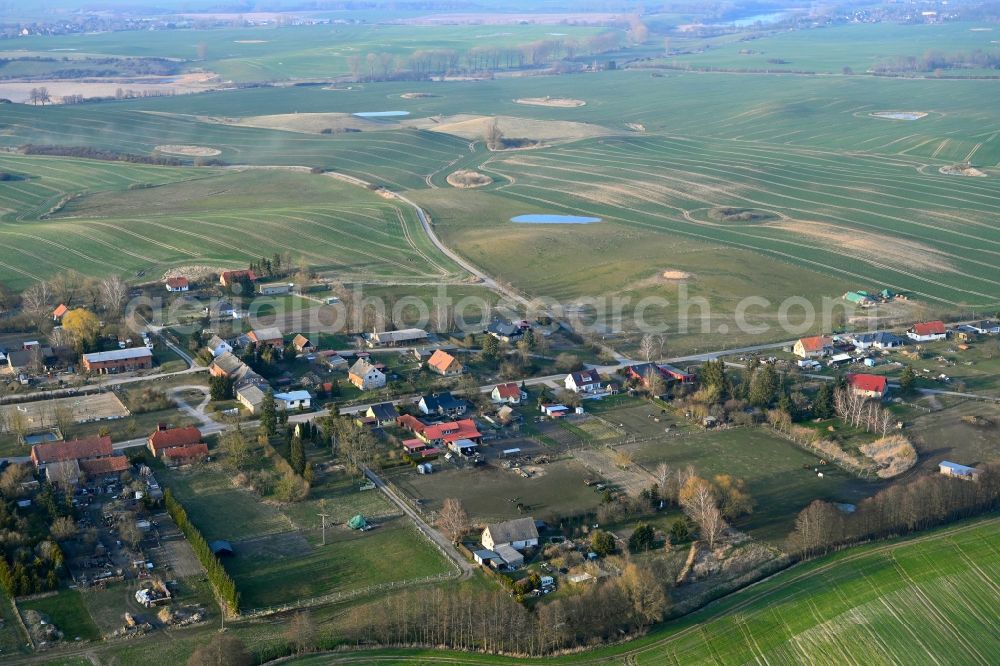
297,456
907,380
823,405
763,386
268,415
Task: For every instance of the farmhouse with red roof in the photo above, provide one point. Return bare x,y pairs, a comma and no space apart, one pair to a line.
868,386
927,331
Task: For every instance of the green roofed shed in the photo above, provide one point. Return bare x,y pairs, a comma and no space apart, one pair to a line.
358,522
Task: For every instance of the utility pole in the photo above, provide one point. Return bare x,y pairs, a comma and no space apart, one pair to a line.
324,516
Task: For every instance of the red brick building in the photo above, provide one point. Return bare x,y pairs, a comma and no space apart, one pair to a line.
118,360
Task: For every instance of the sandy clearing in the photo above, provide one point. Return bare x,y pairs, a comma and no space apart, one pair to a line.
869,246
504,18
194,272
899,115
960,170
558,102
308,123
18,90
189,151
472,127
465,179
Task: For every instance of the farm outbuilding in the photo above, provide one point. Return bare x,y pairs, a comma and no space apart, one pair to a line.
954,469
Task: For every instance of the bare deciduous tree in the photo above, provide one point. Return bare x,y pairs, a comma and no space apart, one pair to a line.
453,519
113,294
37,301
699,503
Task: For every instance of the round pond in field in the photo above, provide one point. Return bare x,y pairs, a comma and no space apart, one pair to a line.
900,115
555,219
381,114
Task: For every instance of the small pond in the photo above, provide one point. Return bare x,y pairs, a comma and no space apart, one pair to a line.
554,219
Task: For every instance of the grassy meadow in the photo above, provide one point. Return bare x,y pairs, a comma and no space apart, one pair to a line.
830,49
279,553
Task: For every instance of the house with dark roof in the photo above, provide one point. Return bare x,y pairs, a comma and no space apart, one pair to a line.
506,331
519,534
585,381
987,327
444,404
384,413
878,340
868,386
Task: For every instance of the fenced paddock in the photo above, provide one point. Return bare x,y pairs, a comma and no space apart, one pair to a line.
42,414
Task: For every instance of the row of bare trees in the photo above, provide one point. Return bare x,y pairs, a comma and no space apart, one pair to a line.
899,509
429,62
861,412
70,287
490,621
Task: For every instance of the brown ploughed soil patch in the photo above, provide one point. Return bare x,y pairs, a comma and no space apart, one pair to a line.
466,179
189,151
869,246
559,102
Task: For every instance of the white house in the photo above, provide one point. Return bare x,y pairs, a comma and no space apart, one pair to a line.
293,400
218,346
927,331
365,376
518,534
509,393
585,381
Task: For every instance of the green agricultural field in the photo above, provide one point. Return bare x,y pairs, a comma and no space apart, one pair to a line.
302,52
831,49
202,216
930,597
846,200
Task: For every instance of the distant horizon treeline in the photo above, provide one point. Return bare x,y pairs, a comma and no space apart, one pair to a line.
435,62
